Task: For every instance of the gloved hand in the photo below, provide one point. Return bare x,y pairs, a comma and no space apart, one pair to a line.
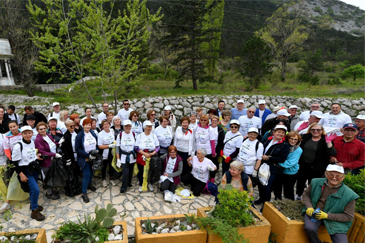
61,141
68,162
227,159
221,153
119,163
254,173
58,156
92,157
321,215
309,211
303,126
112,145
330,137
210,168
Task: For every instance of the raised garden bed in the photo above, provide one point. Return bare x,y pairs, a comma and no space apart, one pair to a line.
356,233
40,238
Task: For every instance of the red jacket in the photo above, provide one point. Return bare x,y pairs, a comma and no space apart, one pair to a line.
350,154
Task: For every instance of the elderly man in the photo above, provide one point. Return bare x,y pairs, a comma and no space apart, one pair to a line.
39,117
350,151
239,111
274,111
360,123
302,127
249,121
293,118
336,202
335,119
56,111
305,115
270,124
262,112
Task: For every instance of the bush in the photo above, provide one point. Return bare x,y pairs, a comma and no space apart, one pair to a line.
356,183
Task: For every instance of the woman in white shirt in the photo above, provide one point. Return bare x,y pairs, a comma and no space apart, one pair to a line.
184,142
106,143
204,137
146,146
126,156
198,178
136,125
116,126
164,135
193,121
219,139
172,119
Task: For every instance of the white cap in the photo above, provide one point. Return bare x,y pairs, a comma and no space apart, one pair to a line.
276,108
55,103
362,117
253,129
26,128
167,108
52,118
280,127
283,112
127,122
293,107
240,101
147,123
234,121
335,168
317,114
262,102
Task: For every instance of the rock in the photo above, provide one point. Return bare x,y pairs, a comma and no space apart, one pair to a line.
139,104
34,236
118,237
158,229
27,237
172,230
188,227
165,231
3,238
187,111
186,104
117,229
178,113
158,105
111,237
176,228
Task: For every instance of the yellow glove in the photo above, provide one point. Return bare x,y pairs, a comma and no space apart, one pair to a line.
321,215
309,211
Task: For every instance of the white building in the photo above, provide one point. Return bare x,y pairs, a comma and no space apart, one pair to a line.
6,76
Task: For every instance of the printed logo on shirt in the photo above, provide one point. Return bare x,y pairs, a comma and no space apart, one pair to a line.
199,172
31,154
332,121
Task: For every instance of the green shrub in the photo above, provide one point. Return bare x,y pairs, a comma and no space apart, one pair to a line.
356,183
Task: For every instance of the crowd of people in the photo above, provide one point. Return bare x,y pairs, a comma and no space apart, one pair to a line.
297,148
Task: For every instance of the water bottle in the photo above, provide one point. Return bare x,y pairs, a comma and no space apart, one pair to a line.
313,218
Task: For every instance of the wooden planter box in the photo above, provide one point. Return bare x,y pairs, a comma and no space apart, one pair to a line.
41,238
193,236
289,231
356,233
125,234
255,234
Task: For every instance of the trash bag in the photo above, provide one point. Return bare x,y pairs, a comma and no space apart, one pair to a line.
264,174
57,175
73,186
15,192
97,163
114,161
155,169
146,168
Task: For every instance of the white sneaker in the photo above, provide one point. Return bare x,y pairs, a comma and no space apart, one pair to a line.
113,182
298,198
104,183
151,188
4,207
140,189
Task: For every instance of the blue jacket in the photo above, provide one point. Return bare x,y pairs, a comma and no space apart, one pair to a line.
291,165
82,155
263,118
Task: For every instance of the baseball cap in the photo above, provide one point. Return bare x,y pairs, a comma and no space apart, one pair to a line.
335,168
362,117
147,123
167,108
262,102
276,108
52,118
55,103
26,128
350,126
253,129
127,122
317,114
283,112
30,117
234,121
293,107
240,101
280,127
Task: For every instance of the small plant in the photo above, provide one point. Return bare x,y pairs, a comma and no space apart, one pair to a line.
149,228
105,216
356,183
191,219
291,209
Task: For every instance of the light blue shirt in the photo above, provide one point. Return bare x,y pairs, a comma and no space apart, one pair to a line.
236,113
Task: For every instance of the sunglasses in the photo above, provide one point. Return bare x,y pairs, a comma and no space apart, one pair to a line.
234,126
316,130
72,126
41,129
135,116
251,112
204,120
153,114
126,104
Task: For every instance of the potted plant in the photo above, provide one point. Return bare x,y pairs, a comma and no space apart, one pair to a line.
233,219
31,235
179,228
287,222
100,228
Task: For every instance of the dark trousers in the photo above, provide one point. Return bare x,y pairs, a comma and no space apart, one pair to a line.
127,174
197,186
186,167
215,162
265,191
225,166
140,174
168,185
286,181
311,228
87,178
306,173
107,162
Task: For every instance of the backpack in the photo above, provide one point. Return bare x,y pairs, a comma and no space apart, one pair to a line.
257,144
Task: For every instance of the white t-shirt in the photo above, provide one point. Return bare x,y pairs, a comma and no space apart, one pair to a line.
73,140
234,142
149,142
200,169
61,126
170,166
203,136
101,117
51,144
215,132
10,141
164,136
261,113
126,144
14,117
27,155
124,115
105,138
335,121
35,133
184,142
248,156
246,123
54,114
2,152
89,142
193,125
137,128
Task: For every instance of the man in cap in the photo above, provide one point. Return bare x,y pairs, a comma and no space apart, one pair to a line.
360,123
350,151
249,121
270,124
56,111
336,202
274,111
262,112
39,117
124,113
336,118
302,126
293,118
239,110
315,106
12,115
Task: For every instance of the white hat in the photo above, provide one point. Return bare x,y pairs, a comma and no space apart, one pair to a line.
262,102
280,127
127,122
234,121
293,107
167,108
335,168
240,101
276,108
147,123
283,112
55,103
26,128
253,129
362,117
52,118
317,114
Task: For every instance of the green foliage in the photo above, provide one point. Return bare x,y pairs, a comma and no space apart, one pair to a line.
318,10
355,71
149,228
191,219
312,63
105,216
356,183
291,209
270,237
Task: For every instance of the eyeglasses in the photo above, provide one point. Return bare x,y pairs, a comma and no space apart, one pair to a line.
41,129
334,176
316,130
349,130
234,126
126,104
153,114
314,106
135,116
72,126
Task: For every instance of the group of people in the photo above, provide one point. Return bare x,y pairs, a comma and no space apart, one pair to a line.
296,148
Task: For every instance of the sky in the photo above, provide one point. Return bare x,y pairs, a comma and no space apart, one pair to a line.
357,3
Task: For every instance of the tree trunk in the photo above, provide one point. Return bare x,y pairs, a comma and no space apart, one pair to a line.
87,91
28,89
115,101
283,69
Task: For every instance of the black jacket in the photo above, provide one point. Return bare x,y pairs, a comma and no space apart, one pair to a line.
278,154
39,117
66,147
4,126
220,144
322,155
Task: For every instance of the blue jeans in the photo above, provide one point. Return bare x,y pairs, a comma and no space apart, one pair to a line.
33,189
88,177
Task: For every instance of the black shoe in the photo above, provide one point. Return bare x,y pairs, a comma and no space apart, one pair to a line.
85,198
122,190
52,196
130,185
91,187
258,202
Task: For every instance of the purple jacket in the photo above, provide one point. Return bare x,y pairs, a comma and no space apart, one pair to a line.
44,149
176,168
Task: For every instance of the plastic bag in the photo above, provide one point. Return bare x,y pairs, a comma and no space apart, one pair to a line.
15,192
155,169
114,161
264,174
146,168
57,175
184,194
73,186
